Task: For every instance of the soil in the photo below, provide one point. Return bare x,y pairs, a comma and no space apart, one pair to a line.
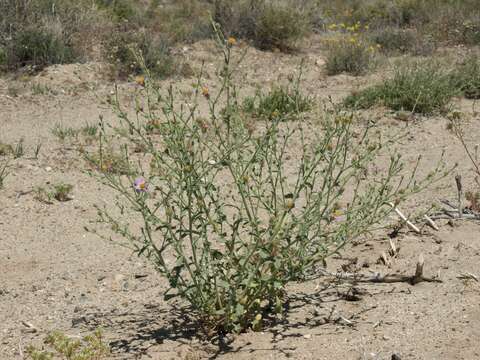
56,275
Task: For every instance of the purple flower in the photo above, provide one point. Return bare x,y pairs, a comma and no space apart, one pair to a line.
140,185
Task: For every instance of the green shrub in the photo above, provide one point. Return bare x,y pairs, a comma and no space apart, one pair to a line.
181,21
123,49
44,32
349,54
223,216
466,77
420,87
60,192
38,48
280,27
400,41
280,103
3,58
91,347
122,10
267,24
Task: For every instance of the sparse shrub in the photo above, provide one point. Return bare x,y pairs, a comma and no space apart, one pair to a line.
109,161
91,347
400,41
60,192
5,149
89,130
466,77
377,13
280,27
120,51
267,24
418,87
3,58
38,49
18,150
472,154
41,33
349,54
122,10
63,133
230,215
280,103
3,173
181,21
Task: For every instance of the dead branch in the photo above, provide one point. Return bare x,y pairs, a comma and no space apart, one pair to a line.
377,277
458,180
404,218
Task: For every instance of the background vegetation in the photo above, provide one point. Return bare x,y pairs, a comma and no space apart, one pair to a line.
35,34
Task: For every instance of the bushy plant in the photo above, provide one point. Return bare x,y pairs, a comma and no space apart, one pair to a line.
417,87
60,192
400,41
38,48
466,77
267,24
121,47
230,214
122,10
91,347
280,27
350,54
182,20
281,103
45,32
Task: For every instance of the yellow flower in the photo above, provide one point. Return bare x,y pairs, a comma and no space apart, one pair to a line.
337,213
140,80
231,41
289,204
205,92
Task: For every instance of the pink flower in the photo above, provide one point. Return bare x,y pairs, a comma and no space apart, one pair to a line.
140,185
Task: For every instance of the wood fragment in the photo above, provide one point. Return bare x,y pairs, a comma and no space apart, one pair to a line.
458,180
377,277
468,275
450,217
29,326
404,218
431,222
385,258
393,248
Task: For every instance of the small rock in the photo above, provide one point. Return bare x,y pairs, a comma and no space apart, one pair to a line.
79,320
396,357
48,169
307,336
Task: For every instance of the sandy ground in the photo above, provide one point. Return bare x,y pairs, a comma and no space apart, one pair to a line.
55,275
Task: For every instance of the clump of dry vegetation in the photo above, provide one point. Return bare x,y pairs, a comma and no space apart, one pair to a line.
269,25
39,33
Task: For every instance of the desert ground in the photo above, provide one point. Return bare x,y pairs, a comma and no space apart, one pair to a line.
54,275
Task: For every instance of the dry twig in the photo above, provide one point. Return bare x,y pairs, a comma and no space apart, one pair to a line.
377,277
